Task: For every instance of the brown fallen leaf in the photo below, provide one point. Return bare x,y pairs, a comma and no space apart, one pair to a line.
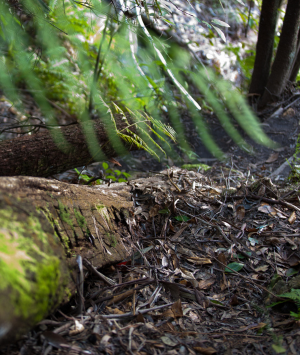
289,112
265,208
114,161
240,212
273,157
292,218
207,351
204,284
177,309
199,261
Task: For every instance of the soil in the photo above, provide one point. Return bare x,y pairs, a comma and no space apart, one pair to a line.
259,161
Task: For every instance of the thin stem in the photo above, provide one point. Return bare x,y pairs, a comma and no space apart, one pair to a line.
97,65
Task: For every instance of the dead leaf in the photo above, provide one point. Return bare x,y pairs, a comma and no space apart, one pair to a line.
204,284
262,268
273,157
154,211
173,288
114,161
140,318
76,328
234,300
292,218
113,310
177,309
261,190
240,212
188,276
164,262
265,208
178,233
199,261
289,112
206,351
222,259
54,339
166,340
201,299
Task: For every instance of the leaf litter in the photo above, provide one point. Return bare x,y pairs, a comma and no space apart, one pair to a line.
214,253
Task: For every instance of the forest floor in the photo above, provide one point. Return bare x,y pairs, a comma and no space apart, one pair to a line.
218,247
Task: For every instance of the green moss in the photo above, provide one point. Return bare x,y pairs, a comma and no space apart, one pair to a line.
113,239
64,214
28,268
103,211
196,166
80,219
100,207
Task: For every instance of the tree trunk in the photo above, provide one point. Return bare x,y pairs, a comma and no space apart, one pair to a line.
44,225
296,65
39,155
285,53
264,46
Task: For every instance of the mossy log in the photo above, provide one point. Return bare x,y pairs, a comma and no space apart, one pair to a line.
44,225
39,155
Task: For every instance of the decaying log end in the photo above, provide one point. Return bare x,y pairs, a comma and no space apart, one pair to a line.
44,225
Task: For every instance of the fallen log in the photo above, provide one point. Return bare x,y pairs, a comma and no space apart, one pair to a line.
39,155
44,225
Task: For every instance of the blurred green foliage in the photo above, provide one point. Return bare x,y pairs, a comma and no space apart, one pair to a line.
96,61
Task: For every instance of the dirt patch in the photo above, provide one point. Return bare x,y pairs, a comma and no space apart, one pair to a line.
259,160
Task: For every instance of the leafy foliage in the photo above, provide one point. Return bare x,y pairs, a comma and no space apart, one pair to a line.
293,295
295,168
114,175
96,59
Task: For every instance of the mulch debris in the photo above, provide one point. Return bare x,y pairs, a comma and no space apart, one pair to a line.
214,251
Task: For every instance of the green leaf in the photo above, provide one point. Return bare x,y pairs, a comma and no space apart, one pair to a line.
113,178
165,211
220,33
168,22
220,23
216,302
290,272
182,218
278,349
234,266
241,256
105,166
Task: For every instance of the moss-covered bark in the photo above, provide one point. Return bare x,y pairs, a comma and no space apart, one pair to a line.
44,224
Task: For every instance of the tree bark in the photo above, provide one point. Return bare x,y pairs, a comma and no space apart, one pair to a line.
296,65
285,54
44,225
264,46
39,155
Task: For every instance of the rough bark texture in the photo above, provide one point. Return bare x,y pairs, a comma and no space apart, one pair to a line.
38,155
264,46
44,224
285,53
296,65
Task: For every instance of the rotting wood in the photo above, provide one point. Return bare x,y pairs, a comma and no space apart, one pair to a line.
44,225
